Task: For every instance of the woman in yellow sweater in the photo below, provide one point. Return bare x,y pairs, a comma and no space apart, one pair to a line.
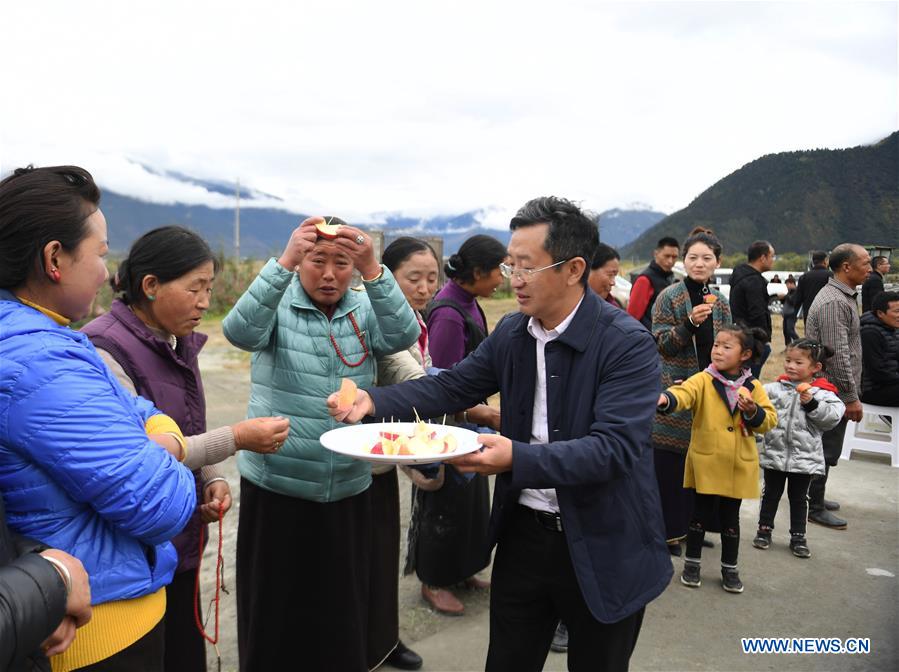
729,407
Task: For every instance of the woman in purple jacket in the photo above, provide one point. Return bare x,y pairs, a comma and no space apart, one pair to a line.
147,339
454,518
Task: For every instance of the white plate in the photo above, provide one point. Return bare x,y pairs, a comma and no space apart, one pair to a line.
354,440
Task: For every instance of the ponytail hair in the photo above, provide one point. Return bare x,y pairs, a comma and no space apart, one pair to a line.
168,253
39,206
751,338
700,234
478,253
395,254
815,351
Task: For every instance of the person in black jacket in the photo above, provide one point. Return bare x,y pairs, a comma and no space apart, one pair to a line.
811,282
873,286
749,293
790,308
44,597
880,351
576,516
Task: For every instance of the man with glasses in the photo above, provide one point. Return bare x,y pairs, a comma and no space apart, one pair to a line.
749,293
576,516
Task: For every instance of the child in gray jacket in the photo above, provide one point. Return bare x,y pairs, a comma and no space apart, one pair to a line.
791,453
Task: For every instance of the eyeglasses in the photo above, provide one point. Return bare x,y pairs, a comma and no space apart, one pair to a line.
524,274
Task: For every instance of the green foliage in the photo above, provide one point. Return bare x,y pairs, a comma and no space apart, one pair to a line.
791,261
231,281
797,200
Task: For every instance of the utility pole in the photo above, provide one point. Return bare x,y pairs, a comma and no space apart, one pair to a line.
237,223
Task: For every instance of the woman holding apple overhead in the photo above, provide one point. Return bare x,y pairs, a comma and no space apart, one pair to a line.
304,543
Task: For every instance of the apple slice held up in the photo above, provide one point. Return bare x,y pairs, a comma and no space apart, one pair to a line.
326,230
346,396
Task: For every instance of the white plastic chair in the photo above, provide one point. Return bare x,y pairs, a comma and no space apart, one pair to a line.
860,436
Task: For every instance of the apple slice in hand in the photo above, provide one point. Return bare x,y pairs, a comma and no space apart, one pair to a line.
346,396
327,231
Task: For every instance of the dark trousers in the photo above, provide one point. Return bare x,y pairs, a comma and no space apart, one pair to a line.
757,368
789,330
677,501
145,655
185,649
797,493
832,441
532,587
727,519
303,571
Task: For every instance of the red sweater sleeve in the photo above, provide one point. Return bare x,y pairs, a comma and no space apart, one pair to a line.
641,293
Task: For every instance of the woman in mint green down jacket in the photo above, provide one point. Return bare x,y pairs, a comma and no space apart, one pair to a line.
305,528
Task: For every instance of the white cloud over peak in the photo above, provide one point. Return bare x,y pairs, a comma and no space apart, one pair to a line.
357,108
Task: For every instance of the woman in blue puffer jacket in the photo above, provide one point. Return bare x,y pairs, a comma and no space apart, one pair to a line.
304,541
78,470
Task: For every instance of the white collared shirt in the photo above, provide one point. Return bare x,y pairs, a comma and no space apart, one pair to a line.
543,499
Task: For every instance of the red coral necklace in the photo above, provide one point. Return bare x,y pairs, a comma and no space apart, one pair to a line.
361,338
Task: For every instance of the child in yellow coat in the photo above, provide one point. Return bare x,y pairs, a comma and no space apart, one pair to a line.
729,407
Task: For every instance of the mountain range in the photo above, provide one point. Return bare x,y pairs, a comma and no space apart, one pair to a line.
798,201
264,230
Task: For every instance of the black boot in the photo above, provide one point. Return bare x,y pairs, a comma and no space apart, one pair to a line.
404,658
827,519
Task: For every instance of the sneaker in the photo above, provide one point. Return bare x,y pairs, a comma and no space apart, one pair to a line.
730,580
560,639
799,546
762,539
690,576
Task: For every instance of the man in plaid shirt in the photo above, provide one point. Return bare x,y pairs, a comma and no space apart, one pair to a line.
833,320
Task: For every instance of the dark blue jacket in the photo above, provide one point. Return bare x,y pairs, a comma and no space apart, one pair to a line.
602,389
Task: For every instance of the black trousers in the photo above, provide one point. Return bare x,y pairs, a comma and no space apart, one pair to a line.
185,649
789,329
145,655
797,493
303,577
832,441
710,511
532,587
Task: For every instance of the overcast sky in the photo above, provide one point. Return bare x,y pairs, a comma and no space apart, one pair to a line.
356,108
